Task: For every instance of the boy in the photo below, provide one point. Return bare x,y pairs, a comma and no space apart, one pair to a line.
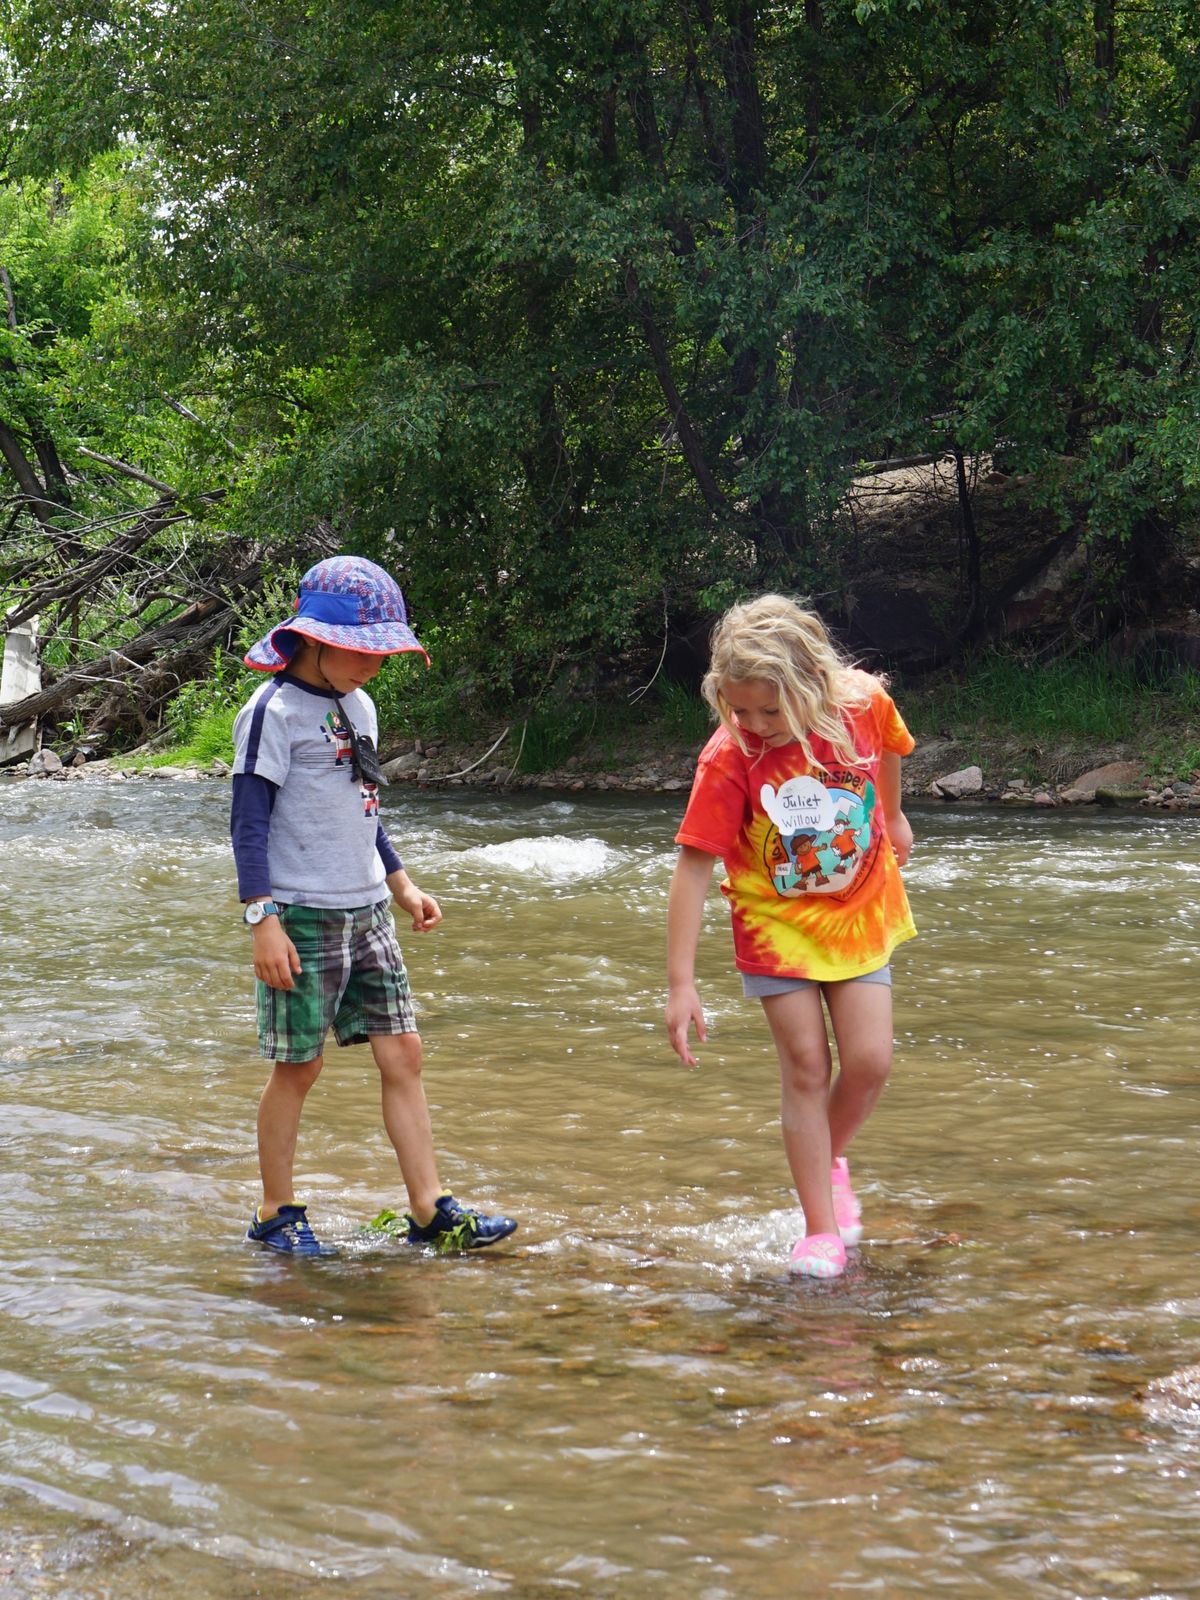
316,871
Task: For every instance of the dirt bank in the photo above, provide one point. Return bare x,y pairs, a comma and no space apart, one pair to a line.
1000,770
1010,772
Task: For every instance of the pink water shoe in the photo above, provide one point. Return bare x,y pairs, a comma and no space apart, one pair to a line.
820,1255
846,1209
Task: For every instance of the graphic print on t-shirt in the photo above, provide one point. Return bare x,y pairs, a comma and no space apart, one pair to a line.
337,734
820,834
338,737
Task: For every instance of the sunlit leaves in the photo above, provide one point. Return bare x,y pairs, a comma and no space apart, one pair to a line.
559,301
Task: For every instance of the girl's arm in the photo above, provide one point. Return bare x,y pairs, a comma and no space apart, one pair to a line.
898,826
685,913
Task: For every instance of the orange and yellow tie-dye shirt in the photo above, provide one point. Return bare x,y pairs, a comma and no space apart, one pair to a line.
813,885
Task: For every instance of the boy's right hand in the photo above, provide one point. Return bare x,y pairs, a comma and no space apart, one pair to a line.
684,1008
275,958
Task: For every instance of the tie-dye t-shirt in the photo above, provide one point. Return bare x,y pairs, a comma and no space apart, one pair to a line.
812,883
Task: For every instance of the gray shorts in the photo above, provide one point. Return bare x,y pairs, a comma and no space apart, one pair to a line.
757,986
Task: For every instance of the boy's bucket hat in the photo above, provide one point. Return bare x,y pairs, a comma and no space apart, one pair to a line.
346,601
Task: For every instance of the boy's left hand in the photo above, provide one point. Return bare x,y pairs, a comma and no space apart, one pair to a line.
422,908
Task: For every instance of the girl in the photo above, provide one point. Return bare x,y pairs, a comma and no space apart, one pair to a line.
798,791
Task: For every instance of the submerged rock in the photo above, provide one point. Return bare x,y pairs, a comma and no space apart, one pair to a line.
1123,794
1179,1392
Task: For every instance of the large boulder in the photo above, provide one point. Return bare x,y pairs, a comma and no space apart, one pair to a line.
1117,776
1042,590
44,764
402,766
956,785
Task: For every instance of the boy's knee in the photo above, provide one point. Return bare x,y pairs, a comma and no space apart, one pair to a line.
300,1075
398,1054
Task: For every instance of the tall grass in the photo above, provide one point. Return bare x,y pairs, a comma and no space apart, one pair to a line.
209,739
684,715
1086,697
556,731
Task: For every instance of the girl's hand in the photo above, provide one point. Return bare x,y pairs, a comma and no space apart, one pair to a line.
275,957
900,833
684,1008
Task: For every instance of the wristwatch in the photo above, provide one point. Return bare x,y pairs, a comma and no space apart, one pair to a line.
256,910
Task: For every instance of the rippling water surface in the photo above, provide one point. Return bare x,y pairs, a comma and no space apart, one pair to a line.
633,1399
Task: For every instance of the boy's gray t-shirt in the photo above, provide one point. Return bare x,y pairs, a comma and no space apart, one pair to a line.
321,847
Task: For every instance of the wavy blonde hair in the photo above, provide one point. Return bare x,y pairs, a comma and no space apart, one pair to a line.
787,645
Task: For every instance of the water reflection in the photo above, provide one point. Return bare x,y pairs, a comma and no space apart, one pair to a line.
634,1399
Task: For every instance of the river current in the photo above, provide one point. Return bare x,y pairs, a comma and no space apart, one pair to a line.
631,1398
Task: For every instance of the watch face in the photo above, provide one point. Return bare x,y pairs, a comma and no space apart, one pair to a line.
254,912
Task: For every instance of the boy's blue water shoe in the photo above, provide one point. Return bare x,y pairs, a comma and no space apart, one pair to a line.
289,1232
452,1227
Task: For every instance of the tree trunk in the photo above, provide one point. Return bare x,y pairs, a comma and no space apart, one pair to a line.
971,560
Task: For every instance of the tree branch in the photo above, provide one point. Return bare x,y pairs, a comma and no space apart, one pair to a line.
115,554
129,472
34,495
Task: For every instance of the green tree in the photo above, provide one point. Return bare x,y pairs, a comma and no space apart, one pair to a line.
569,311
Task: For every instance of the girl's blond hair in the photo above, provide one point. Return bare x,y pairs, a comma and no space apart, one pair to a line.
781,641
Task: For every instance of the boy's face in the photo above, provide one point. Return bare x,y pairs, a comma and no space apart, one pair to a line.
328,664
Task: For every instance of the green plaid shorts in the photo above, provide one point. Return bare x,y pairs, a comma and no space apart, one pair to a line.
352,979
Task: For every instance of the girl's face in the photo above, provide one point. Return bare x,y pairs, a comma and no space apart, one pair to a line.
755,706
329,665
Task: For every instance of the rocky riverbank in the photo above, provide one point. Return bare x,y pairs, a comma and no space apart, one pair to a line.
997,772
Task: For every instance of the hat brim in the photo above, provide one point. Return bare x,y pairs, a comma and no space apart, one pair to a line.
371,639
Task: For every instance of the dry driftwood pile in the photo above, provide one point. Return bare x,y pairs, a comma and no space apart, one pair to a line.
162,579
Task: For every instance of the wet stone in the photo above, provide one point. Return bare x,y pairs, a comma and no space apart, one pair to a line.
1180,1388
44,764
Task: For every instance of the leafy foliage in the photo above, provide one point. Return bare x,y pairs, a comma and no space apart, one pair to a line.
565,311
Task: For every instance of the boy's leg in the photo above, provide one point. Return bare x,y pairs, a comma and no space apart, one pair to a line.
861,1014
292,1024
377,1004
797,1025
406,1118
278,1126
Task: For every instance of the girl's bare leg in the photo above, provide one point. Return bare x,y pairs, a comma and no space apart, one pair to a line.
797,1024
406,1118
278,1127
861,1014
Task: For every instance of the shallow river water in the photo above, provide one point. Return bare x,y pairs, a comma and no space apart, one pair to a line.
632,1398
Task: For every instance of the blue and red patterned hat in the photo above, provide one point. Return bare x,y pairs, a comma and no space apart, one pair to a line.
346,601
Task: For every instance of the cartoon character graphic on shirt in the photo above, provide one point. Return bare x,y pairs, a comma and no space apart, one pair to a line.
338,736
847,826
806,860
820,834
